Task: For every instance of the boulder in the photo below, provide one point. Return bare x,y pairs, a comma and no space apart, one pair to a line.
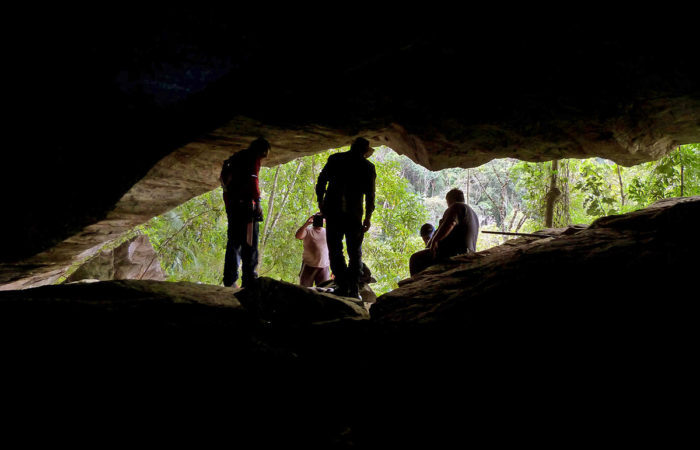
134,259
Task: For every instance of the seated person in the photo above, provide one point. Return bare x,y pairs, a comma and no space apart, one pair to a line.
426,232
456,234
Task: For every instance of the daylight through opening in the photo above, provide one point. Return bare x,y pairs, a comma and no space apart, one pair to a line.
508,196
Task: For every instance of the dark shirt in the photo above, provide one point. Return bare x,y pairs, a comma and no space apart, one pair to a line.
349,176
462,238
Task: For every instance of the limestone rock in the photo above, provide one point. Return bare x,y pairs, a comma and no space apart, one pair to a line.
290,303
633,253
194,85
99,267
594,325
135,259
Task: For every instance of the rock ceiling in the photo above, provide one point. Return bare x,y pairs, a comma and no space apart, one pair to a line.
125,120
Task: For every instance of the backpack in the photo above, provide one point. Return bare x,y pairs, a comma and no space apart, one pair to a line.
231,176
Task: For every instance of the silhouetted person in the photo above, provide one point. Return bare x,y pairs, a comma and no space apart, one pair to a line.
456,234
426,232
418,259
315,261
239,179
346,180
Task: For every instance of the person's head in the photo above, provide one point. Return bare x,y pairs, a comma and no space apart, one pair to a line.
426,232
260,147
454,196
318,220
361,146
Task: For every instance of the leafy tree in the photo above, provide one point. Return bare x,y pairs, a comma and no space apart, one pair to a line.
191,239
675,175
394,235
594,182
507,195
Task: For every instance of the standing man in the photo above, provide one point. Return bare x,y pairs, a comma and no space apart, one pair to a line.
456,234
344,182
315,259
239,179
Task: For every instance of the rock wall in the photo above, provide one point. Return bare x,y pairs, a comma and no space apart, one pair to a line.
120,130
134,259
587,337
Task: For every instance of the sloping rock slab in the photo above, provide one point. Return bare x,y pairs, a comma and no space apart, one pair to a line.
582,335
619,259
282,302
135,259
126,321
183,354
163,326
133,310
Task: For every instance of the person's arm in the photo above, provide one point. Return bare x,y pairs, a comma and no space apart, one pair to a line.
301,232
369,200
447,224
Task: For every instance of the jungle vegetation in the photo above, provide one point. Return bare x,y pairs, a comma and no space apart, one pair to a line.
507,194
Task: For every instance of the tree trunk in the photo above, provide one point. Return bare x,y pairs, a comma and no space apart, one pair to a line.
270,204
284,202
622,188
469,183
512,219
314,205
680,159
552,196
521,222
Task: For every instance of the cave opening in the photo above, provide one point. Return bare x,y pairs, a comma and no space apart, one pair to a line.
188,242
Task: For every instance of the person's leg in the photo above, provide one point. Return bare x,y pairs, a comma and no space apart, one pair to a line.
354,235
420,260
307,276
322,274
334,240
250,256
233,249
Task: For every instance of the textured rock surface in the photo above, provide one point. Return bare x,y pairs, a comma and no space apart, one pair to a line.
587,336
122,129
135,259
617,259
168,353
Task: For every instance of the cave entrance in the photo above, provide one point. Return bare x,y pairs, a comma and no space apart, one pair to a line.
508,196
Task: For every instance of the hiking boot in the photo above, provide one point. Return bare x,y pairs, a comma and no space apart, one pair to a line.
353,292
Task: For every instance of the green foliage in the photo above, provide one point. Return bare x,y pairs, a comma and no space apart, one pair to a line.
667,177
594,182
600,187
507,196
287,203
531,180
190,240
394,233
388,245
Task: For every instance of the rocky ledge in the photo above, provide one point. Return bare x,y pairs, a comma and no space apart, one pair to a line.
579,336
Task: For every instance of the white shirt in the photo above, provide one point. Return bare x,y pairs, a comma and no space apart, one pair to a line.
315,247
